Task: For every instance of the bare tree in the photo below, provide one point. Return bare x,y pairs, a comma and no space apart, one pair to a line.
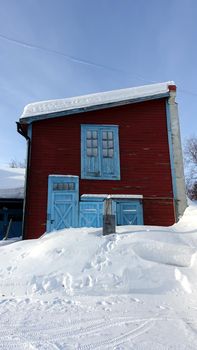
190,156
17,164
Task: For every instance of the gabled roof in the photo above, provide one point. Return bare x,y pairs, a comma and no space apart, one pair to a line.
67,106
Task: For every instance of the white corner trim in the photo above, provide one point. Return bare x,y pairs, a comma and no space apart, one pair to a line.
179,179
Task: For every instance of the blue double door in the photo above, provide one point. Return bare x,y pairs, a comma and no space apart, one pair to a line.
65,210
127,212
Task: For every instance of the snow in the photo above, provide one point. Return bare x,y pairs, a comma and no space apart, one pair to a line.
77,289
79,102
69,176
12,182
125,196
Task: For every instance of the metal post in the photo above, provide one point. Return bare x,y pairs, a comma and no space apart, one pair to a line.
108,218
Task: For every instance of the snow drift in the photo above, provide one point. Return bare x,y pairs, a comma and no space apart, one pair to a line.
138,259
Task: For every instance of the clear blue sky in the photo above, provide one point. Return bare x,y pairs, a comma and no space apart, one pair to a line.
60,48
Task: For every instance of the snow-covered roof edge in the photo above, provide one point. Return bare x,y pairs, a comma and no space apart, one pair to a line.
38,109
12,182
12,193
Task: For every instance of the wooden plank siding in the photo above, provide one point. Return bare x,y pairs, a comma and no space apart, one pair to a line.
144,160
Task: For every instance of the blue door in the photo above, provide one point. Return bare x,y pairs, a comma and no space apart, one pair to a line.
91,214
129,212
63,199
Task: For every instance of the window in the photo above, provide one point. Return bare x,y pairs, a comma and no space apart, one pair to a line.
100,152
64,186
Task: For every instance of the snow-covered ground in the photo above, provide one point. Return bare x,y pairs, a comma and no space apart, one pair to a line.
75,289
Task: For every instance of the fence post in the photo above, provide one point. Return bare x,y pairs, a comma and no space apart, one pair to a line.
8,230
108,218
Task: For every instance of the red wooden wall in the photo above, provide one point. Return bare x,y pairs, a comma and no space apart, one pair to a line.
144,160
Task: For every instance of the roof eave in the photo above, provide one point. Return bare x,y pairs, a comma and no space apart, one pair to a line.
30,119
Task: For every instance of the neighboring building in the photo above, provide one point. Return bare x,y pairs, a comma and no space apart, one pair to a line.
11,201
123,143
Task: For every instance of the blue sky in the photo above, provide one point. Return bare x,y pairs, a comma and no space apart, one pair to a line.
61,48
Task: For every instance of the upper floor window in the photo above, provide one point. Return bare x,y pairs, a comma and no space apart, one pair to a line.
100,152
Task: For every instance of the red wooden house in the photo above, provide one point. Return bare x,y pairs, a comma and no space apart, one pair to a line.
124,144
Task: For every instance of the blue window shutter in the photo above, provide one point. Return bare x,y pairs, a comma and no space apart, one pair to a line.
100,152
90,152
110,152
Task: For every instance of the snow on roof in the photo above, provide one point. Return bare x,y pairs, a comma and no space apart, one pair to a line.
98,99
12,182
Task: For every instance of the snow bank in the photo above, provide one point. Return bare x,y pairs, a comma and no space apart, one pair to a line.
12,182
188,222
138,259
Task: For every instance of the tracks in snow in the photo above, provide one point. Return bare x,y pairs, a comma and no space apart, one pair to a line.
83,335
117,341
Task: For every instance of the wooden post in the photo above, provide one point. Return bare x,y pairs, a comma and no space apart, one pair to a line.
108,218
8,230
